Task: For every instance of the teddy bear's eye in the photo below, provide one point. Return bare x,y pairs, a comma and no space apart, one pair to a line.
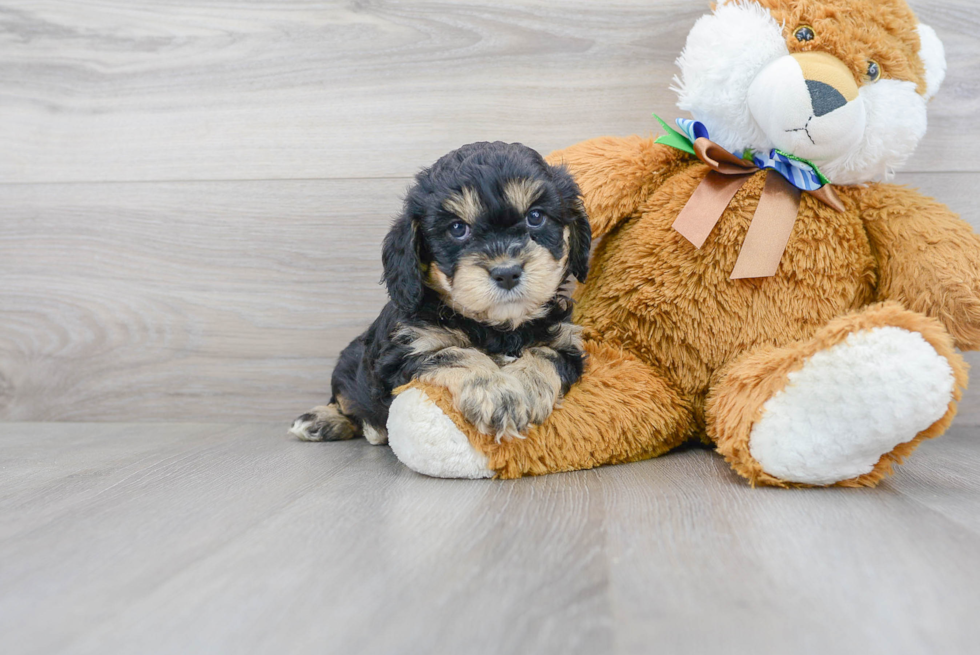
874,71
804,33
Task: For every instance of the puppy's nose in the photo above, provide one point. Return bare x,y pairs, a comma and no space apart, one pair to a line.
507,277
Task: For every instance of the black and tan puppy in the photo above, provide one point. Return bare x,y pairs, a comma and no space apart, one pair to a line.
476,268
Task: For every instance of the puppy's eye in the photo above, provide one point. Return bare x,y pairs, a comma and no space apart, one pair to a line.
535,218
804,33
874,71
459,230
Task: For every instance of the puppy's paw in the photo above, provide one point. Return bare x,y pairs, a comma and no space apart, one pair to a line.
496,405
324,423
535,371
540,402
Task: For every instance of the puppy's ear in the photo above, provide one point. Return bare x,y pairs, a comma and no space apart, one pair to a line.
577,220
402,259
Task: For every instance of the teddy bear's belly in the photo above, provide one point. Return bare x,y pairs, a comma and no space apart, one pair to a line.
675,307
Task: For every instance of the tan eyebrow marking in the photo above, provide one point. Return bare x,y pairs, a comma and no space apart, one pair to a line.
466,205
522,194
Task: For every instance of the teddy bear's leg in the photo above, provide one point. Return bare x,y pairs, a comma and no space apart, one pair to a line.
621,410
840,408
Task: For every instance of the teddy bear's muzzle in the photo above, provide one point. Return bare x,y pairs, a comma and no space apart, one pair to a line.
809,105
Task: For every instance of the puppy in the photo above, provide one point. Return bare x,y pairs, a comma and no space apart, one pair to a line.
476,268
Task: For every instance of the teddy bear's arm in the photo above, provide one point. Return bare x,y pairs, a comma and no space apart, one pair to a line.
928,259
615,174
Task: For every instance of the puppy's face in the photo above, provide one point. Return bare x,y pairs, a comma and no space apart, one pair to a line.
500,253
499,232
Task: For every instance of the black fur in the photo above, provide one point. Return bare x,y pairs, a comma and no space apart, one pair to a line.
580,241
377,362
402,260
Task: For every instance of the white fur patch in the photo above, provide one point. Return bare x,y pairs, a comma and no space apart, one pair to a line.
851,404
428,442
725,51
896,122
302,430
933,55
781,105
375,437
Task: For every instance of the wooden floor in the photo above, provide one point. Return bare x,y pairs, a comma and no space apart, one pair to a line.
209,538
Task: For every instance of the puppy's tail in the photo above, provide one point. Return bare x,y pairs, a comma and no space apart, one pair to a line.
324,423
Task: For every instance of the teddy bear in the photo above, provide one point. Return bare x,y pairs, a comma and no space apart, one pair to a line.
757,284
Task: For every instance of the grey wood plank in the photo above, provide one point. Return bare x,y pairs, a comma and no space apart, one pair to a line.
45,483
250,542
198,301
947,478
138,90
86,563
231,538
411,565
701,564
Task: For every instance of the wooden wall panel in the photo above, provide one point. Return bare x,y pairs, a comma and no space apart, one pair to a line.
188,301
146,90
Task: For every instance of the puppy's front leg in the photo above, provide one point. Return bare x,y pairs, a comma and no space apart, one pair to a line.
494,401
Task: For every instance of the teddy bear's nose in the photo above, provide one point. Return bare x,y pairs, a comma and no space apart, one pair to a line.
829,82
824,98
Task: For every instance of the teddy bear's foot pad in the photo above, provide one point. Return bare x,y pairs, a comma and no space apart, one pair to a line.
428,442
850,404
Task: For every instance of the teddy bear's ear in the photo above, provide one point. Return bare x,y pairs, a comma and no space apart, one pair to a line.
933,56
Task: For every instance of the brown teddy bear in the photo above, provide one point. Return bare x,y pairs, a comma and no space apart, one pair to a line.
757,285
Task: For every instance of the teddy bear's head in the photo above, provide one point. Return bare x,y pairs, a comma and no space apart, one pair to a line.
841,83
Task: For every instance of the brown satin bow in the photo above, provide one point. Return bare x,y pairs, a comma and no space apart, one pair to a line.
772,223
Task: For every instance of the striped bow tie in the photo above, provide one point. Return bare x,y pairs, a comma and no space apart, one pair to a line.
778,207
798,171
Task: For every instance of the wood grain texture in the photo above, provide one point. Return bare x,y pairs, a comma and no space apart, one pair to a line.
783,571
184,301
114,90
233,539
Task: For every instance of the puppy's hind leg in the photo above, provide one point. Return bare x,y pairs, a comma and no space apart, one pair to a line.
325,423
334,421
